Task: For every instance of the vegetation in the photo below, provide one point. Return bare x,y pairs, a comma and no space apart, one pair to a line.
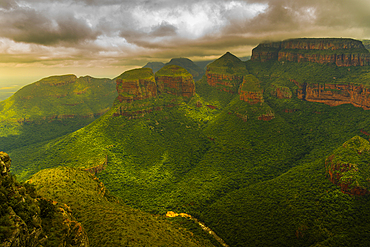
27,219
227,64
254,182
191,67
251,84
108,221
173,70
137,74
53,107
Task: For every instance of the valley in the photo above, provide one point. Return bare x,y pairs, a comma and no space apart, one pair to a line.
272,151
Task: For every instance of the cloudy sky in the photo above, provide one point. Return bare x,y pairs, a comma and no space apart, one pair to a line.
103,38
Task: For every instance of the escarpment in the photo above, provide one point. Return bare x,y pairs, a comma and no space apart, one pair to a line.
342,52
348,167
139,84
136,84
335,94
59,97
175,80
250,91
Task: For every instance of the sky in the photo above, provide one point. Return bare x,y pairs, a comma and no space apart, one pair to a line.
103,38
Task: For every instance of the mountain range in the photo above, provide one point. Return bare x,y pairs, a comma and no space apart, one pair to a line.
272,151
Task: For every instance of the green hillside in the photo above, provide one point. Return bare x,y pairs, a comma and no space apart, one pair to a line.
189,65
227,64
109,222
254,180
52,107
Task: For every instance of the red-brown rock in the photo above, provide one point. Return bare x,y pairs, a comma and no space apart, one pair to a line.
224,82
175,80
342,52
136,84
335,94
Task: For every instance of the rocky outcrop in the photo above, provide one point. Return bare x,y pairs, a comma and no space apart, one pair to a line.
342,52
224,82
347,167
175,80
226,73
99,168
136,84
267,116
281,92
29,220
250,90
334,94
5,162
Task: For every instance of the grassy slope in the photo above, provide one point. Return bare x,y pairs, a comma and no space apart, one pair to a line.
108,222
48,105
59,95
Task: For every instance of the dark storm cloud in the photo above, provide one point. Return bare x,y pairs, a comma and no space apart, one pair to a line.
7,4
121,29
31,26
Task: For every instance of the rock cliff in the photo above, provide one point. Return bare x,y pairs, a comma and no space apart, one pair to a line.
348,167
136,84
30,220
342,52
226,73
334,94
175,80
281,92
250,90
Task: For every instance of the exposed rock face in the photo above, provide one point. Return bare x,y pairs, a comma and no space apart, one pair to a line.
4,163
226,73
175,80
342,52
136,84
335,94
281,92
250,90
224,82
346,167
29,224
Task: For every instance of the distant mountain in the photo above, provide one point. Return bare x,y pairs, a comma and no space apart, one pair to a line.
366,43
60,104
186,63
189,65
155,66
